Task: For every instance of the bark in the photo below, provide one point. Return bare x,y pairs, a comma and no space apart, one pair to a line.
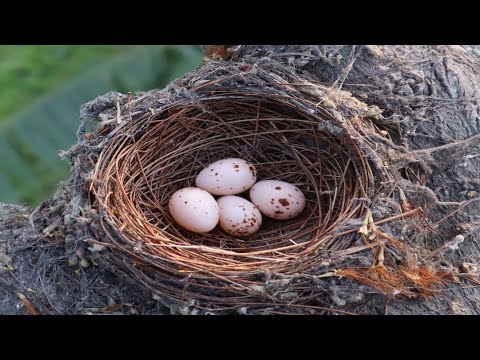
428,94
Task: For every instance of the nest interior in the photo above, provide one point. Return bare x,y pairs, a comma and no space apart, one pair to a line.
282,144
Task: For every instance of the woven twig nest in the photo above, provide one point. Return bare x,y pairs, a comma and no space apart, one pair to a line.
291,129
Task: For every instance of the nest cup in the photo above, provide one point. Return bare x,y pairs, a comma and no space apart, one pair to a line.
159,154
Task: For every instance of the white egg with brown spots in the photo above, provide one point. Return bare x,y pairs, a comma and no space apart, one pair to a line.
238,217
278,199
194,209
227,177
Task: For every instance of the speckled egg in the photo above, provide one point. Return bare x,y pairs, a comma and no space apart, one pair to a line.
227,177
238,217
278,199
194,209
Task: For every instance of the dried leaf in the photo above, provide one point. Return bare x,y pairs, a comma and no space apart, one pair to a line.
242,310
363,230
381,255
133,311
326,102
404,204
375,51
337,116
289,295
334,60
392,154
256,289
84,263
355,297
5,259
413,277
467,267
312,91
73,260
302,61
328,274
457,240
337,300
373,112
357,103
48,231
200,82
96,248
30,308
179,310
370,217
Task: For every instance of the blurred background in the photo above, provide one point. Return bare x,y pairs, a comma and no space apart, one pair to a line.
41,90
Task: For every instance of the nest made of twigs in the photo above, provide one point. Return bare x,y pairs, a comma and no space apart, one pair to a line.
301,133
159,154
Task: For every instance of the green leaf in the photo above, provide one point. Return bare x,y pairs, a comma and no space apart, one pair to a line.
30,167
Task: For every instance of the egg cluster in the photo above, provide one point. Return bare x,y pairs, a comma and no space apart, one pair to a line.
195,208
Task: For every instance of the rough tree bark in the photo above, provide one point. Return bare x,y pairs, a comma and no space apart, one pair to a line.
429,94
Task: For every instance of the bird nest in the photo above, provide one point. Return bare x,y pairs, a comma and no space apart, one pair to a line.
291,130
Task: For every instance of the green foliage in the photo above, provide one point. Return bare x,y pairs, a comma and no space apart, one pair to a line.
26,71
31,138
